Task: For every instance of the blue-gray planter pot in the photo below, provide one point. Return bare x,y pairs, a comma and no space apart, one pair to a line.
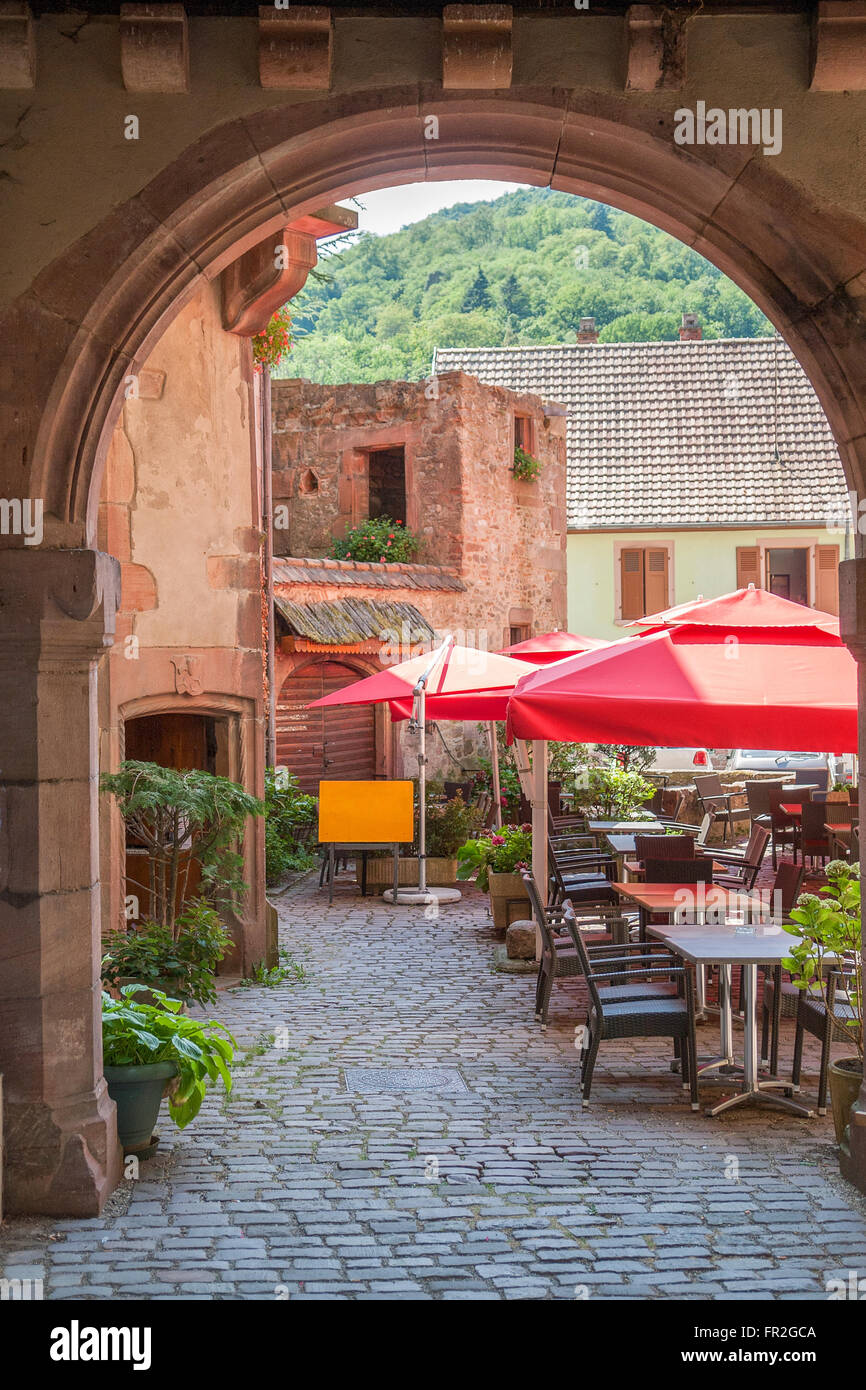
137,1092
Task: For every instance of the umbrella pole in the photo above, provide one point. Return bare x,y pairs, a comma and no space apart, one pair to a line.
494,769
539,829
422,792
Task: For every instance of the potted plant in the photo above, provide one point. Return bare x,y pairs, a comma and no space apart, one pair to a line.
449,824
826,959
187,824
497,858
151,1050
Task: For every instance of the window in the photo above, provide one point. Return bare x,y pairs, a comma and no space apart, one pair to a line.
806,574
643,581
387,483
519,632
523,433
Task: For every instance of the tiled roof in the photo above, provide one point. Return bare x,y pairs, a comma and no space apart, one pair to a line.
724,432
349,621
370,576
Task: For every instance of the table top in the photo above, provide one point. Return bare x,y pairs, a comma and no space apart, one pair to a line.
626,827
624,844
690,897
759,945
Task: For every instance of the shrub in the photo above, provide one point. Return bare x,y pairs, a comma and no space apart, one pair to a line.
828,924
289,815
379,540
184,964
613,794
449,824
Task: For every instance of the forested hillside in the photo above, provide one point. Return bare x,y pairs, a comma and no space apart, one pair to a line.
522,269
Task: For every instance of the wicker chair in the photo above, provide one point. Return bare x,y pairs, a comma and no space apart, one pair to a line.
743,871
814,839
713,797
665,1014
823,1021
696,870
785,831
559,960
664,847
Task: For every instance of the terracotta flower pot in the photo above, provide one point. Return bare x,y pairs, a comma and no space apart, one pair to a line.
509,900
845,1078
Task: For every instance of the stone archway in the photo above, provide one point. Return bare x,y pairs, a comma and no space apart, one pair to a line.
79,331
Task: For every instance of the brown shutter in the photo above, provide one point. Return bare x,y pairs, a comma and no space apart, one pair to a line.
631,576
827,578
748,566
656,581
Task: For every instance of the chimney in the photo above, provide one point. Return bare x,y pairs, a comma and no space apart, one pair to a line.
587,331
690,331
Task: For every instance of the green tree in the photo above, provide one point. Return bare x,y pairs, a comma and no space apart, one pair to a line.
514,299
478,294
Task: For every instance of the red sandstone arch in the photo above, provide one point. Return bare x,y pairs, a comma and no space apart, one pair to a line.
78,331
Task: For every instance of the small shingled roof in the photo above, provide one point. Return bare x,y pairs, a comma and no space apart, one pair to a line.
288,570
349,621
713,433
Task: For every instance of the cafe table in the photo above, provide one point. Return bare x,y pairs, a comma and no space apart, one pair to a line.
746,945
625,827
705,900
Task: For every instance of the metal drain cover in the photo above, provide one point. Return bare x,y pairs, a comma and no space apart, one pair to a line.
368,1080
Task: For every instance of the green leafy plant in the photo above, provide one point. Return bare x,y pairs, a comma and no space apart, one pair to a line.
287,970
499,853
181,817
613,794
449,824
630,759
289,819
828,924
153,955
525,466
379,540
275,343
136,1035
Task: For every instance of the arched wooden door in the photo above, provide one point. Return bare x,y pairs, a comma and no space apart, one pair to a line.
324,744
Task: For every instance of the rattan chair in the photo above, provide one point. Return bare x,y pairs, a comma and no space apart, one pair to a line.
697,870
665,1014
824,1021
742,872
713,797
663,847
785,830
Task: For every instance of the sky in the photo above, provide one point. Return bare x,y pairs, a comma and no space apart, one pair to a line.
389,209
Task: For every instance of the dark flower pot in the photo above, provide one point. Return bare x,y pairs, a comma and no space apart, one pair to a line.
845,1078
137,1093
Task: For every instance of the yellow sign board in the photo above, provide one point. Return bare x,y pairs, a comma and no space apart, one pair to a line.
366,813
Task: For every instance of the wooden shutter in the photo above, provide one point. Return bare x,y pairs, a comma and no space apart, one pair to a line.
749,566
827,578
631,565
656,580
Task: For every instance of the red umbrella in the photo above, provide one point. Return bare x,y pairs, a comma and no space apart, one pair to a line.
689,686
746,608
462,672
553,646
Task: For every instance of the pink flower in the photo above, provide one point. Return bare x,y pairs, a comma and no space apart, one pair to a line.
503,800
527,826
497,840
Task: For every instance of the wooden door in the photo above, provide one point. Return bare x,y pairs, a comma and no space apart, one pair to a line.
324,744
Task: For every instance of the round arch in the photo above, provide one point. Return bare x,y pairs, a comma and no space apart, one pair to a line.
80,334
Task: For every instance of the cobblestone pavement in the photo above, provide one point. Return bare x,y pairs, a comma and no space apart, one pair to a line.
302,1188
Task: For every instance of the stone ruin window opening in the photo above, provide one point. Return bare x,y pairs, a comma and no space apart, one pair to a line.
309,483
524,433
387,483
519,632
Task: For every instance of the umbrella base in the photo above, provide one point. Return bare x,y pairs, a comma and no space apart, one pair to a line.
414,896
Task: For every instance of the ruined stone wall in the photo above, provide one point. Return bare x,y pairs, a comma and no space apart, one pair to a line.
505,538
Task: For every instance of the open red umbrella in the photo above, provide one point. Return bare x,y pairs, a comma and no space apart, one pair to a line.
553,646
746,608
692,685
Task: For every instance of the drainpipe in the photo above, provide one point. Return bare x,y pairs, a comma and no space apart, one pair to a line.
268,527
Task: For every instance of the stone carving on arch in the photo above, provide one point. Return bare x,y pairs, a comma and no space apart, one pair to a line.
77,333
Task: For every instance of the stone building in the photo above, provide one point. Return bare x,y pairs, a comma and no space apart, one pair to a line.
436,455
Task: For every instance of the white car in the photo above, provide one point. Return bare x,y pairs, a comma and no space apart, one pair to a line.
681,760
827,767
